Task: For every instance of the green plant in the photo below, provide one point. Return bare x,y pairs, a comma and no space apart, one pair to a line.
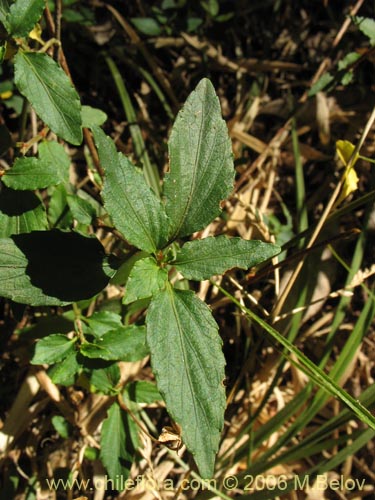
44,266
60,247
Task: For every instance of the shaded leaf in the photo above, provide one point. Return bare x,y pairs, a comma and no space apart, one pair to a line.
127,343
58,215
20,212
23,15
106,379
201,164
136,211
188,363
118,443
52,167
81,209
102,322
65,372
52,267
201,259
142,391
42,81
147,25
145,279
52,349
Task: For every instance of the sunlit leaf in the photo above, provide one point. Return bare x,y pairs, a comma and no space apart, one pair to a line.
201,259
145,279
201,164
42,81
22,16
136,211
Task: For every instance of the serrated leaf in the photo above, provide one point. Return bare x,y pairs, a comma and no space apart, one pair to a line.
136,211
127,343
92,116
118,443
145,279
52,349
201,164
42,81
201,259
23,15
52,167
52,267
102,322
188,364
20,212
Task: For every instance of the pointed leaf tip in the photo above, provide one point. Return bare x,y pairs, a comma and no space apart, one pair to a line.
43,82
201,163
188,363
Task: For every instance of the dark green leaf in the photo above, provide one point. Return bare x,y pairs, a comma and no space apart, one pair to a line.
92,116
52,267
65,372
51,168
201,164
23,16
52,349
145,279
147,25
42,81
102,322
193,23
81,209
127,343
20,212
118,443
59,215
188,364
142,392
105,379
201,259
133,206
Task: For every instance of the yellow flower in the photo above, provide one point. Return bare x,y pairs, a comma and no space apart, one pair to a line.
345,150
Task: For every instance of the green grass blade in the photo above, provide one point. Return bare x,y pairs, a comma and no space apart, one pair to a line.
149,169
308,367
